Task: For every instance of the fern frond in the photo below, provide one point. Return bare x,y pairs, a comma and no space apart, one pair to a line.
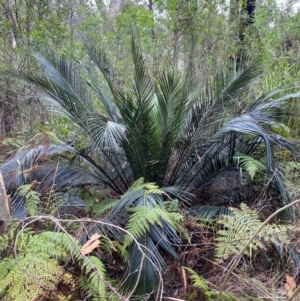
143,216
103,206
251,165
32,198
201,283
6,265
30,277
148,187
123,248
37,270
94,284
172,205
239,228
137,185
40,244
63,241
4,240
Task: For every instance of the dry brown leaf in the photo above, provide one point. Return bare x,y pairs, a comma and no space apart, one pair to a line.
290,285
91,244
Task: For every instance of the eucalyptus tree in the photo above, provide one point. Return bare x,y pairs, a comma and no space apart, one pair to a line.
153,141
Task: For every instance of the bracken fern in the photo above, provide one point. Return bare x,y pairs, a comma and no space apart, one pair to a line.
238,229
202,284
36,268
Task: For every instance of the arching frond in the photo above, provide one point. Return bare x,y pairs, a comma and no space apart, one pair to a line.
174,139
208,212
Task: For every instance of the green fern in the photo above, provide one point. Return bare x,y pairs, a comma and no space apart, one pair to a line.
66,244
150,222
30,277
251,165
148,187
6,265
52,202
4,240
32,198
239,227
145,216
97,200
202,284
49,204
172,206
281,129
94,283
98,209
38,268
147,213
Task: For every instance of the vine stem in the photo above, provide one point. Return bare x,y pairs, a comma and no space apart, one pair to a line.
238,256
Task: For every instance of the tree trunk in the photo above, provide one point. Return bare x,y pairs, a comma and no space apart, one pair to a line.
115,7
238,10
150,6
10,116
5,215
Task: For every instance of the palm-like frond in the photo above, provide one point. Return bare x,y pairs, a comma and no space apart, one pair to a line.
159,129
151,225
209,212
143,212
34,167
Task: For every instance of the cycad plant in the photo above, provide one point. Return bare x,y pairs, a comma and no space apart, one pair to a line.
163,130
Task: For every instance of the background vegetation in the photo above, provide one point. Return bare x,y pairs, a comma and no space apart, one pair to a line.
145,146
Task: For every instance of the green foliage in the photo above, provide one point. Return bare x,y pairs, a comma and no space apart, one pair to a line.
251,165
281,129
150,222
30,277
144,216
14,142
35,204
147,213
99,209
58,129
202,284
94,281
97,200
172,205
291,171
238,229
32,198
38,267
140,184
163,128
